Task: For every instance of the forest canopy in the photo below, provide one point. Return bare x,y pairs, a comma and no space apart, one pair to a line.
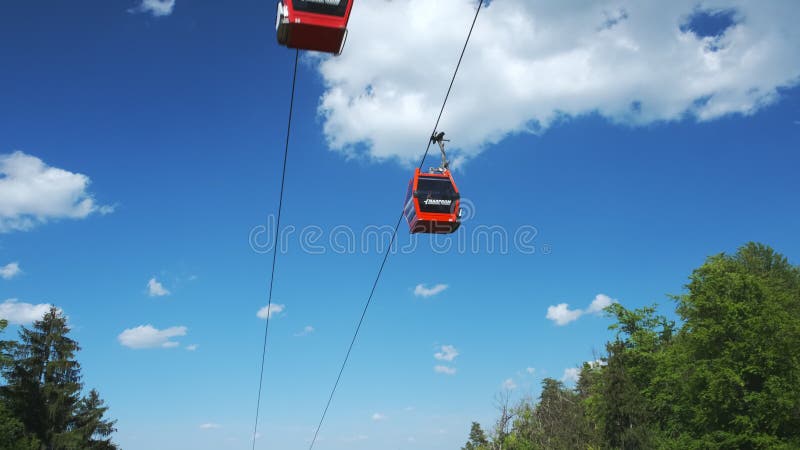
728,376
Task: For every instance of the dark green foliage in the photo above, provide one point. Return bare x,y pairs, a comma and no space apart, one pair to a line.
558,420
728,377
90,427
734,371
5,346
42,393
12,433
477,439
621,408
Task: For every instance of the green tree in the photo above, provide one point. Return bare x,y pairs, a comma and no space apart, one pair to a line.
732,379
622,408
557,421
43,389
728,377
5,347
560,417
12,431
477,438
90,426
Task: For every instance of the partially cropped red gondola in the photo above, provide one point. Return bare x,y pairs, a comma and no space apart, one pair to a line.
319,25
432,199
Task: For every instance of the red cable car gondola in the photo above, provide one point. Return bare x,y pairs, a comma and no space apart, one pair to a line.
319,25
432,199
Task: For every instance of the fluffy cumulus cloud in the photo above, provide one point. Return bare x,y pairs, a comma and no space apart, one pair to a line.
422,291
158,8
532,63
378,417
270,311
561,314
21,313
156,289
32,193
600,302
147,336
10,271
571,375
448,353
509,384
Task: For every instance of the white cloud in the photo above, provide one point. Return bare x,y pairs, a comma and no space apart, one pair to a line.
422,291
192,347
33,193
600,302
532,64
158,8
530,370
445,370
147,336
209,426
22,313
308,329
509,384
562,315
571,375
597,363
448,353
156,289
10,270
273,309
377,417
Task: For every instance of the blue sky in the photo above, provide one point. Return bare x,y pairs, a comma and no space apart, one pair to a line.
149,149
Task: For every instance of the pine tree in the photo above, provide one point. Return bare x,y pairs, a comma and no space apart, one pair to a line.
5,346
12,431
477,438
44,385
93,430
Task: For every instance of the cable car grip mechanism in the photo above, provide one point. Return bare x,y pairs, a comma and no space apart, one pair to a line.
439,139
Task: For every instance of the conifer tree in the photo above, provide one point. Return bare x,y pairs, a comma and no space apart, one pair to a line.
477,438
44,386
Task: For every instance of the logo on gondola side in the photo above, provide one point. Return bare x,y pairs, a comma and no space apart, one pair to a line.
439,202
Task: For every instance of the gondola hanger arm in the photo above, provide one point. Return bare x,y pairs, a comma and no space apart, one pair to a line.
439,139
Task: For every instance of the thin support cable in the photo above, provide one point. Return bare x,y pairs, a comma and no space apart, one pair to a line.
275,249
394,235
452,81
